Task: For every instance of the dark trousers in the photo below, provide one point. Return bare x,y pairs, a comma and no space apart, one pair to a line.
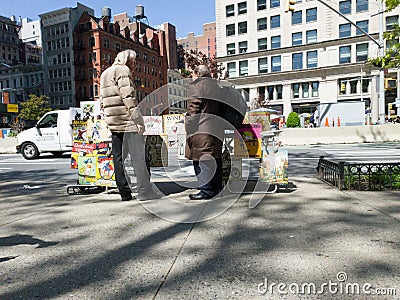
209,175
132,143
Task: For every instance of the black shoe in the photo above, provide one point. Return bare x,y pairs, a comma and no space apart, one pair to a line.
127,197
199,196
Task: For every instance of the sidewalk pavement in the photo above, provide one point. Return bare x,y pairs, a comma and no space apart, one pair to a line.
58,246
7,145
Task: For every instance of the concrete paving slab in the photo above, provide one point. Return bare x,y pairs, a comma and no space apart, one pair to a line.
97,247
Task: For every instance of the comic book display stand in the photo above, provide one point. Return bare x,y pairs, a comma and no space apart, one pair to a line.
165,142
91,152
255,142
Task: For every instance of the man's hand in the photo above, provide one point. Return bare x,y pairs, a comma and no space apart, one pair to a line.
140,129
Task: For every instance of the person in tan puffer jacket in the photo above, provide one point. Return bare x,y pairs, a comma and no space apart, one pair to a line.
123,117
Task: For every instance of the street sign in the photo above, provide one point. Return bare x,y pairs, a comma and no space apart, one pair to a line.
12,108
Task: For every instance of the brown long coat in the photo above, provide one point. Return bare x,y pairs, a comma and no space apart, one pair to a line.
203,126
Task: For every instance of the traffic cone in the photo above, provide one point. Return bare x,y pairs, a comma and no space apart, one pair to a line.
338,121
326,122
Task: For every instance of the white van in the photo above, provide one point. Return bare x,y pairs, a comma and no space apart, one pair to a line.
52,133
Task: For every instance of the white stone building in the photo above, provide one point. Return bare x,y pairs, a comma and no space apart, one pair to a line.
302,58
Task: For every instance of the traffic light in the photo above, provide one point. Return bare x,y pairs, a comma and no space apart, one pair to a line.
390,83
289,5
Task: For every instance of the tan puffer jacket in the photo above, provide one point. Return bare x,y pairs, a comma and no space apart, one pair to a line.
117,98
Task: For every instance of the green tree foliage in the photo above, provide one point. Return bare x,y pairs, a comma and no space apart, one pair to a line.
34,108
293,120
391,59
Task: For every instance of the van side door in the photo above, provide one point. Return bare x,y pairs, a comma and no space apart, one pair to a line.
47,135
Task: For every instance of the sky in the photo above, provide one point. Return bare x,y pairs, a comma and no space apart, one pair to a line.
187,16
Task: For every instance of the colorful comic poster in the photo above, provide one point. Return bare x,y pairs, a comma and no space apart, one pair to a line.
97,131
79,130
90,109
153,125
274,167
87,170
249,141
156,151
260,117
105,175
174,125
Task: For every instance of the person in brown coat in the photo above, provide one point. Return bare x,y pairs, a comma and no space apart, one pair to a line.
204,132
123,117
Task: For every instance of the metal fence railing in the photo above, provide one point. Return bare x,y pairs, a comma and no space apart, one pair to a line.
373,176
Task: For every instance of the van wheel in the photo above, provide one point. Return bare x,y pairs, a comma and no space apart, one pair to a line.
57,153
29,151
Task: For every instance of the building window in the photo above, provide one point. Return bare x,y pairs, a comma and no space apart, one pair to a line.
344,30
297,38
243,47
344,54
242,8
305,87
362,52
297,61
262,24
311,36
275,22
230,49
296,90
230,29
118,47
243,68
314,88
275,42
345,7
106,43
230,10
242,27
262,44
231,69
297,17
363,25
390,21
361,5
311,14
276,63
261,4
275,3
312,59
91,42
263,65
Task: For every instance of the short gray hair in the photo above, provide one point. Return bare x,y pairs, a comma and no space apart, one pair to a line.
202,71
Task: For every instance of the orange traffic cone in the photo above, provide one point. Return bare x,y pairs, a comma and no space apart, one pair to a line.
326,122
338,121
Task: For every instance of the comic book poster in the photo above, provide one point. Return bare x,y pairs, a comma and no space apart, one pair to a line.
260,117
153,125
274,167
174,125
156,151
90,109
97,131
87,170
83,148
79,130
105,175
249,141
